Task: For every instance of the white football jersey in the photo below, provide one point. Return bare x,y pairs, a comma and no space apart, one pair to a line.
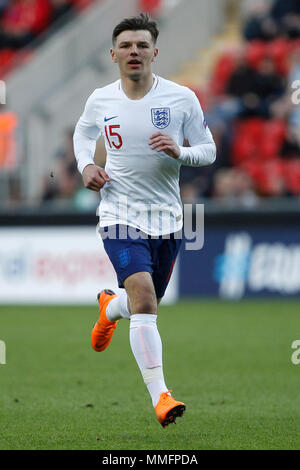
144,187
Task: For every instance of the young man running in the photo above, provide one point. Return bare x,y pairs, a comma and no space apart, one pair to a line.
144,119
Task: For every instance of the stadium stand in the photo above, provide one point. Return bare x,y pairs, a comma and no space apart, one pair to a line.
243,81
63,70
248,103
26,23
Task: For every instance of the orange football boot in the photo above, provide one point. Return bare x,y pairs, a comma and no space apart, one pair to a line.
104,328
168,409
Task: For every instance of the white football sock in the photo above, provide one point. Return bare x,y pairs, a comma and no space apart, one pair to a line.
146,346
118,307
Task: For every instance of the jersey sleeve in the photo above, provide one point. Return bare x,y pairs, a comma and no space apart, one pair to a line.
86,135
202,150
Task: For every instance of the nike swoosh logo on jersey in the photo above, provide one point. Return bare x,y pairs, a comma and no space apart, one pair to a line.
108,119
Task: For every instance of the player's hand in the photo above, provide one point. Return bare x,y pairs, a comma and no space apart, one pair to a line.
94,177
164,143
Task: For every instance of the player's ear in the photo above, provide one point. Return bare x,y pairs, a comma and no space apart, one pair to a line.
155,54
113,55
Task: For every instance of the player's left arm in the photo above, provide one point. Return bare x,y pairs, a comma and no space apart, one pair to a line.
164,143
202,150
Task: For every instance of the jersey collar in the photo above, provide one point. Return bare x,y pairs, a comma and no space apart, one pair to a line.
150,92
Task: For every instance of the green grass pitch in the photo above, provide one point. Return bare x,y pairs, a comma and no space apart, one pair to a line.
230,362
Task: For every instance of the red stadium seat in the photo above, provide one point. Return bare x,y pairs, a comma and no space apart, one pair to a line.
241,150
257,138
5,56
6,62
273,137
222,72
255,51
279,51
246,145
291,171
254,127
294,44
270,180
253,168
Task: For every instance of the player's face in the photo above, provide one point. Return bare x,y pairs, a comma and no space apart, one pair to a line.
134,51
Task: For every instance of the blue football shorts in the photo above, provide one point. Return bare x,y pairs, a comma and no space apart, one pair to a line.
131,251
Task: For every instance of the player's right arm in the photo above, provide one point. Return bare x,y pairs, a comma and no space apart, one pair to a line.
94,177
85,137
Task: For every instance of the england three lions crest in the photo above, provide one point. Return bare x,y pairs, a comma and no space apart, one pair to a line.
160,117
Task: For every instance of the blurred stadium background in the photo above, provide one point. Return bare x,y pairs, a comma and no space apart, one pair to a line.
242,59
233,367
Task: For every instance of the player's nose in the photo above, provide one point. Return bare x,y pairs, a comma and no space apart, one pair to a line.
133,50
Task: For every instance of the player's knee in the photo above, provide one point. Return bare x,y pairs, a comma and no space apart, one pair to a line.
145,303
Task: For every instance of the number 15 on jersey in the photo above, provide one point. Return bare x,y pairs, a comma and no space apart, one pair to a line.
113,138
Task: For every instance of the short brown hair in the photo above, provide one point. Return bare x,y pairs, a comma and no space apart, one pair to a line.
136,23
